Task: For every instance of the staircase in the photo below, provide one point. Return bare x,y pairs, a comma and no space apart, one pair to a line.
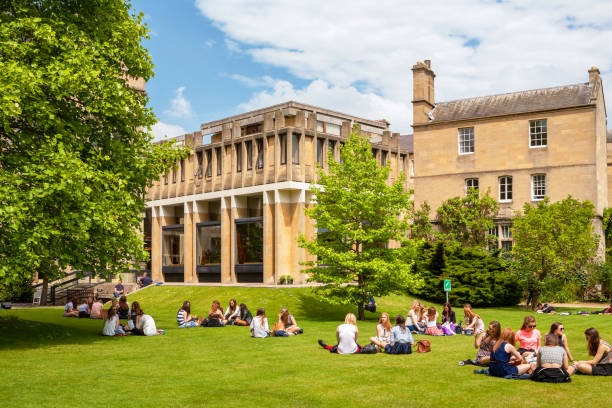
75,283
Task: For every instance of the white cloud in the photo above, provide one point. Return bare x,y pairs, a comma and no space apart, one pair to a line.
180,107
364,50
163,130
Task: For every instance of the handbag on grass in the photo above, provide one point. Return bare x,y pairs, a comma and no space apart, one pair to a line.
423,346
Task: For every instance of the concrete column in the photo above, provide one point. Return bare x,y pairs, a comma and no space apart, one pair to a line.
189,274
270,238
157,220
227,244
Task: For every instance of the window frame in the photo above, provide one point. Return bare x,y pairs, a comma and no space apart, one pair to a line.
538,133
538,185
467,181
507,193
465,140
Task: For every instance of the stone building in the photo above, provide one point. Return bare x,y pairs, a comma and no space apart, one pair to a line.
520,146
232,211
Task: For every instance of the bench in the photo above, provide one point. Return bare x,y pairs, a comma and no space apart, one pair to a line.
106,291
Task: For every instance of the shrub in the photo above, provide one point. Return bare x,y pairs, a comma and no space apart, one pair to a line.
477,276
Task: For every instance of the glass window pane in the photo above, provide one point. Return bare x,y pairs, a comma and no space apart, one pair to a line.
249,242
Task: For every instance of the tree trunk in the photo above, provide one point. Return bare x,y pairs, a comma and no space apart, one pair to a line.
43,294
361,311
535,298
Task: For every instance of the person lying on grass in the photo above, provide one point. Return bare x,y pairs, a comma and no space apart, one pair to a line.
346,335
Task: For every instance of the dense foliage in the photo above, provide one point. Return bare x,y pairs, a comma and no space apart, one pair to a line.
76,155
357,215
467,220
477,276
555,246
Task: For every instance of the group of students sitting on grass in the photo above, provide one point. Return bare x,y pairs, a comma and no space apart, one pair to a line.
120,319
497,350
239,315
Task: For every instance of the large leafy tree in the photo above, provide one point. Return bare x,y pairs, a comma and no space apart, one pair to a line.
553,242
467,219
357,214
76,155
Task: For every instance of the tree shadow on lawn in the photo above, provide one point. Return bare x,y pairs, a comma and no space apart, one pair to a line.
313,308
21,333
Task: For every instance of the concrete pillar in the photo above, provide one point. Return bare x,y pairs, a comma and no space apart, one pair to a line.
157,220
270,239
189,274
227,244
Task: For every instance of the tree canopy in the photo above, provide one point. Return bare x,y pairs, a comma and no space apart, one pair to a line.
553,242
76,154
467,220
357,214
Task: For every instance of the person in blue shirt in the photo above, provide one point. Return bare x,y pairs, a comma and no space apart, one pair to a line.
401,338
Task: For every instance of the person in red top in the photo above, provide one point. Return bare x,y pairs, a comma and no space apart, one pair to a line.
528,338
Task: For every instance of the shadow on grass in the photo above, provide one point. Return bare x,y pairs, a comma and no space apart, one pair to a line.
17,332
315,309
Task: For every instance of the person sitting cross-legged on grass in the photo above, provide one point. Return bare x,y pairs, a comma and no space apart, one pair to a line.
552,363
401,338
111,324
259,324
558,330
84,309
231,313
287,322
346,335
413,319
383,331
431,323
505,360
601,363
485,345
70,310
529,338
244,317
184,317
96,309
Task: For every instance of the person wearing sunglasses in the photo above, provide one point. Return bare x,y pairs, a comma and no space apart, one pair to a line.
558,330
528,338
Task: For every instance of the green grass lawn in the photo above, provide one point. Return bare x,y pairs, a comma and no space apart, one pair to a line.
47,360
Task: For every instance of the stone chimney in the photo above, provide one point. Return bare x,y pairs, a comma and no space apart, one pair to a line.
422,91
595,81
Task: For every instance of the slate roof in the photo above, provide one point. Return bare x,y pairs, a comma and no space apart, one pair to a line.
513,103
406,143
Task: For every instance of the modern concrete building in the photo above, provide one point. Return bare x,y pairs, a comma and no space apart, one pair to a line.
520,146
232,211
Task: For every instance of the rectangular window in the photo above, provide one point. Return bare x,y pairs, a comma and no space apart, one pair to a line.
174,173
506,245
166,178
331,147
172,248
208,249
260,154
238,147
200,158
493,231
219,160
333,129
505,188
538,187
320,150
383,158
466,140
506,232
208,163
538,133
282,141
249,153
182,170
295,149
249,240
319,126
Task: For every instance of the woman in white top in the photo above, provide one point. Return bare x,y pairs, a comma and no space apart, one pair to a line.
473,322
259,324
383,331
147,325
412,320
346,335
231,313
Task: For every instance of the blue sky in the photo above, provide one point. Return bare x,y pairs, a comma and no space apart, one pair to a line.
217,58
